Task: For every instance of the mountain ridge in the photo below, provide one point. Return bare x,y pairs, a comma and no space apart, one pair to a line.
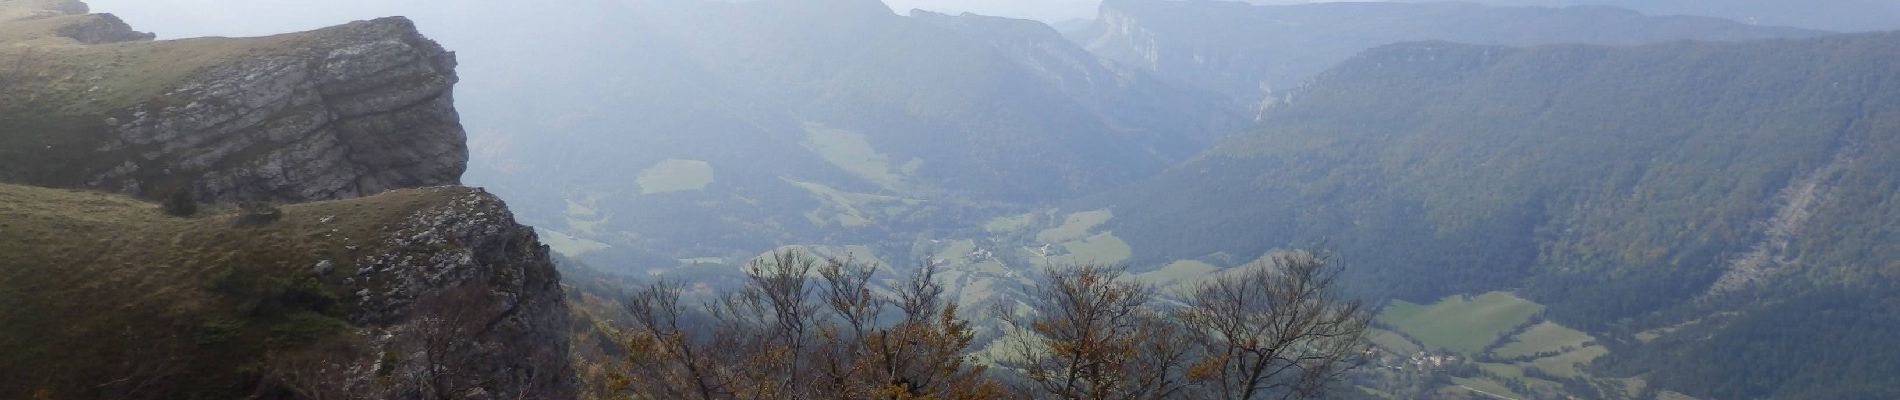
1256,54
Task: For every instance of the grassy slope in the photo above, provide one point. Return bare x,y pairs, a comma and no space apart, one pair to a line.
93,280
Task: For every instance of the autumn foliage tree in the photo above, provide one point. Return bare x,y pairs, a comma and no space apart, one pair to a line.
786,335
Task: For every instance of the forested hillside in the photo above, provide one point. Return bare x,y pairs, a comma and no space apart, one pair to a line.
1701,187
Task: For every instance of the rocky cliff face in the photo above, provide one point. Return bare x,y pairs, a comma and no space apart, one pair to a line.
102,28
348,111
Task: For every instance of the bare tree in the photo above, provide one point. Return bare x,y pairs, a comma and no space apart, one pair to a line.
782,337
921,355
532,379
666,361
849,297
1093,337
774,315
1278,329
333,369
439,338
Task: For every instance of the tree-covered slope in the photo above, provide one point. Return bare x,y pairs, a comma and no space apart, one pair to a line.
1628,188
1252,53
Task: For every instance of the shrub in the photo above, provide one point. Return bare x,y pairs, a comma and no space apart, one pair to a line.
258,213
181,203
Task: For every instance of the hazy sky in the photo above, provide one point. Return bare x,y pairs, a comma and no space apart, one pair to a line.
172,19
192,18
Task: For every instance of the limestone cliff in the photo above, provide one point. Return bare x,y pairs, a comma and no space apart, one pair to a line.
340,112
345,112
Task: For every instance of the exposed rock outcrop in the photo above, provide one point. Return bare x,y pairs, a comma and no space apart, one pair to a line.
103,28
517,347
344,112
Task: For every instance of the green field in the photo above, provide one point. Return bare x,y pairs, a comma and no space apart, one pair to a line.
1075,227
1468,324
1546,337
1010,224
955,251
853,153
1462,324
849,209
1392,342
1103,249
673,176
1567,364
